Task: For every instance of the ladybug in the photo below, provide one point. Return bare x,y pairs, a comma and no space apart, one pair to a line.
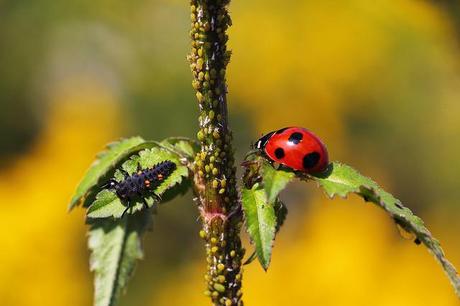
296,148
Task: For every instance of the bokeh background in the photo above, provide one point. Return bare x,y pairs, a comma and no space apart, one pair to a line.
378,80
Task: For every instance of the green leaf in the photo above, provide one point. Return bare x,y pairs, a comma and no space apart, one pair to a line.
115,246
118,152
107,204
184,146
341,180
280,214
260,222
105,160
261,177
275,180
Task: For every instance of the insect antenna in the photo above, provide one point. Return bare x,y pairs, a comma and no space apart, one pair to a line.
108,184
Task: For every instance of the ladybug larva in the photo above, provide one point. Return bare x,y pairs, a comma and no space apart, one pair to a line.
141,183
296,148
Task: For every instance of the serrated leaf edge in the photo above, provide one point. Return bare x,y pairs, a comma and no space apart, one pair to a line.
421,232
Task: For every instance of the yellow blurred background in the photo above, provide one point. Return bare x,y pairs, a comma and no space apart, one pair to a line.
379,81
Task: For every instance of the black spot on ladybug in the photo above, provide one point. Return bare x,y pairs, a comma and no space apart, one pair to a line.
417,241
295,138
310,160
279,153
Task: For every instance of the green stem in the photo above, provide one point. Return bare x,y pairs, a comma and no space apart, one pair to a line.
215,183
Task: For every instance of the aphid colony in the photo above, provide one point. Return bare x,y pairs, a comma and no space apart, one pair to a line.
294,147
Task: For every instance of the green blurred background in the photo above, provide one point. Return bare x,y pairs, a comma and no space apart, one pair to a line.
379,81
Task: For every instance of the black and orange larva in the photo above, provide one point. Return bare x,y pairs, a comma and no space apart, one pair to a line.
141,183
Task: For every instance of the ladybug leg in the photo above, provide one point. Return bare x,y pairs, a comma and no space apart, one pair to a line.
248,163
302,175
128,201
157,197
146,205
251,153
126,209
144,201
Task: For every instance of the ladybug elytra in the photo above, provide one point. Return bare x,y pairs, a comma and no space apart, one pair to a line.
296,148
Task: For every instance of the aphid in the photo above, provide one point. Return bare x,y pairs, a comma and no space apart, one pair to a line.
141,183
296,148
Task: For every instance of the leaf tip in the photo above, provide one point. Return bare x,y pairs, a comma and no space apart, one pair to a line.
73,203
70,207
265,263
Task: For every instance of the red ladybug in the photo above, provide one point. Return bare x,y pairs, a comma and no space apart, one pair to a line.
296,148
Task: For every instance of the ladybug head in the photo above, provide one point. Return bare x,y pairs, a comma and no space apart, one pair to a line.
110,184
262,141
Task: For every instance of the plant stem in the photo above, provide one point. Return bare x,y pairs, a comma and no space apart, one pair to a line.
215,183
